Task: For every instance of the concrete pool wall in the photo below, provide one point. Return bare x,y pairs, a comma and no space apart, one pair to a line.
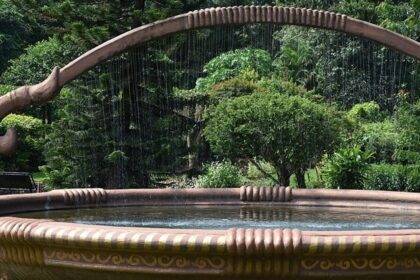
49,250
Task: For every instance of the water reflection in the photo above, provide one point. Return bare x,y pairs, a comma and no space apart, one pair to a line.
222,217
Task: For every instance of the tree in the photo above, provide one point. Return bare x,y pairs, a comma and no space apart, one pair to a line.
16,32
88,23
290,132
35,65
38,60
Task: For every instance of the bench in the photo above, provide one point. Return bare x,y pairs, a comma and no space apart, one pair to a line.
17,182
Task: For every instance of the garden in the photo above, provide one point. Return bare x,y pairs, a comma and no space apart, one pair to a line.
250,116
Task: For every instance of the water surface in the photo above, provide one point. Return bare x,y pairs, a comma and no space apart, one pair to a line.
223,217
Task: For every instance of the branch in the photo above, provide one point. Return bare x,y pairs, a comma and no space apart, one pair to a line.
262,170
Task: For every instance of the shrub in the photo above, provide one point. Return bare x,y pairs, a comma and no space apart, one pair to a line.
233,63
393,177
347,168
290,132
408,127
30,136
365,112
6,88
380,138
220,175
253,172
37,62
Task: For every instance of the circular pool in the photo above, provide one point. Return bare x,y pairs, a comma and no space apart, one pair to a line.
246,233
234,216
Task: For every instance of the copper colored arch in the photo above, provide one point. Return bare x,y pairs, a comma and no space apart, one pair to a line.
48,89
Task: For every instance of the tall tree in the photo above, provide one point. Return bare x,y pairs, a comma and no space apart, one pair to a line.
16,32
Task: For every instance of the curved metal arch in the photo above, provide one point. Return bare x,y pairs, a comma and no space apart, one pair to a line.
47,90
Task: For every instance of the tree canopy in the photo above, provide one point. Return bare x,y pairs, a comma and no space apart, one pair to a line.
290,132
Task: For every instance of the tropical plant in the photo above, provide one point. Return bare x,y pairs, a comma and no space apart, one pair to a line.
234,63
346,169
220,175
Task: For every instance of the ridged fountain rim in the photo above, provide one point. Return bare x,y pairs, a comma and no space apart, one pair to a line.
241,252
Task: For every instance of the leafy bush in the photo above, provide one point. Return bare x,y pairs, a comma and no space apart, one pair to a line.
30,136
253,172
408,127
237,86
380,138
37,62
393,177
233,63
220,175
6,88
365,112
347,168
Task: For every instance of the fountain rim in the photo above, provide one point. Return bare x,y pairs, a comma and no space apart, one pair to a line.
47,243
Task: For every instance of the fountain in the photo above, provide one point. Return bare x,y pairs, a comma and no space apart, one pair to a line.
34,248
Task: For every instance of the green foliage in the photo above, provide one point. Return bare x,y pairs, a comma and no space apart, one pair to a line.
365,112
381,138
115,156
30,136
277,84
347,168
289,132
87,23
6,88
408,127
83,149
253,172
312,179
393,177
37,62
237,86
220,175
35,65
16,32
69,161
296,56
233,63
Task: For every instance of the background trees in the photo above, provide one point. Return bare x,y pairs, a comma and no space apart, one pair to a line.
139,119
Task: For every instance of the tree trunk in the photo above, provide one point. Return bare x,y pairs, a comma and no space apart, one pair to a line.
284,175
300,177
192,153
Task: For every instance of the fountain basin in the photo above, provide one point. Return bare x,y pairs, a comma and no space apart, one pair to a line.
47,249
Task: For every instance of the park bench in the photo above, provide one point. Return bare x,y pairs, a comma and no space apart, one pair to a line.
17,182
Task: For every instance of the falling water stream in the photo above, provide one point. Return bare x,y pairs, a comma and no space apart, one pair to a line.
136,127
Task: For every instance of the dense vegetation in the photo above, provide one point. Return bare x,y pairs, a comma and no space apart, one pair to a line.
305,107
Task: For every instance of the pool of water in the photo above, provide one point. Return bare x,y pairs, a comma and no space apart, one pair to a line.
223,217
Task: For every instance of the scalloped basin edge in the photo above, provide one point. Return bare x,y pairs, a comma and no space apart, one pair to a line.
44,249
